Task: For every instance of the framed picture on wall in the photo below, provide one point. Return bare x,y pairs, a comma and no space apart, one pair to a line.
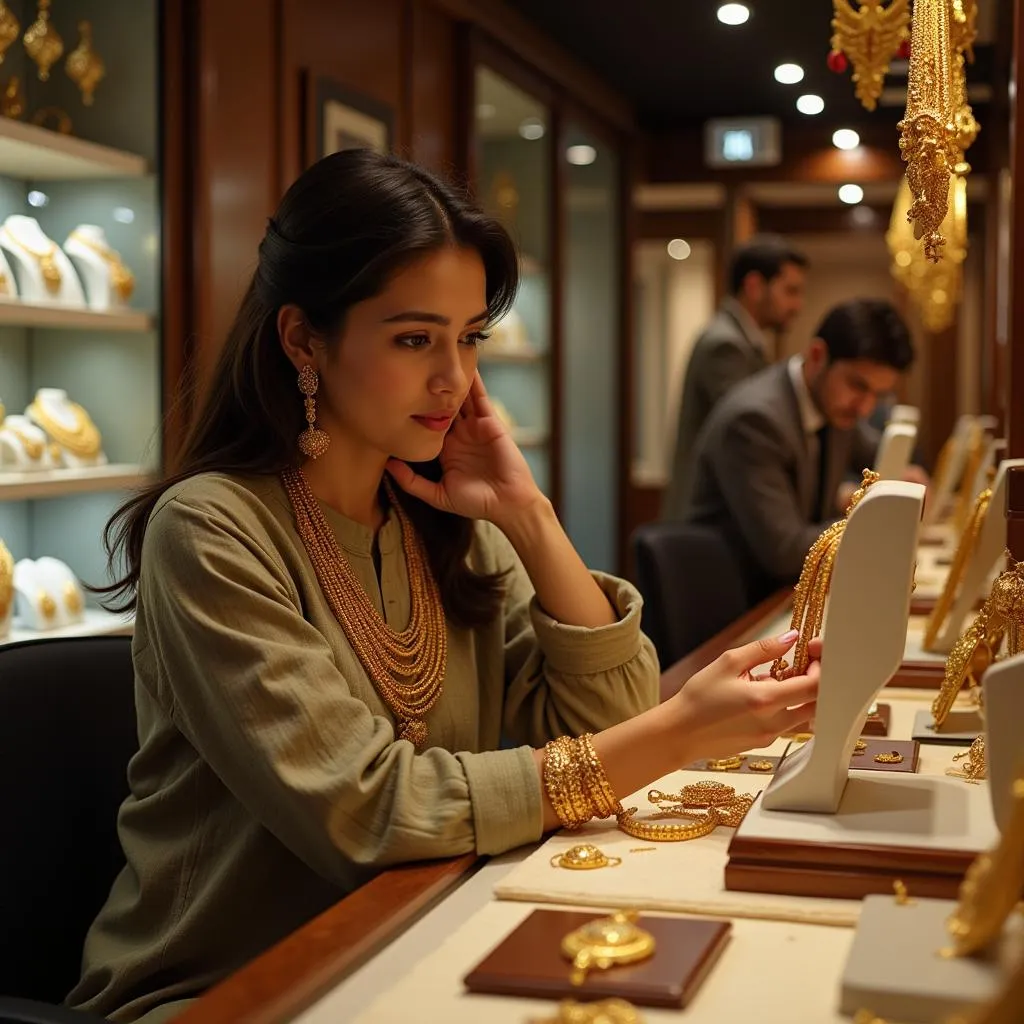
339,118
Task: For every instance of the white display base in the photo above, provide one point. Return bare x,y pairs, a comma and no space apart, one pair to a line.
895,450
869,598
96,622
960,729
896,969
1003,692
990,545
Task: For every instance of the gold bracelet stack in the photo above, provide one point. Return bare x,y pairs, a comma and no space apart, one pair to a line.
575,782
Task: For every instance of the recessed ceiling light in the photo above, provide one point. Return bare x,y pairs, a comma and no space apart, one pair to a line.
851,194
485,111
532,128
679,249
845,138
789,74
581,156
733,14
810,104
37,198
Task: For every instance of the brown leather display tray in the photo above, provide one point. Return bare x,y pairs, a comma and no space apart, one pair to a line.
530,964
910,749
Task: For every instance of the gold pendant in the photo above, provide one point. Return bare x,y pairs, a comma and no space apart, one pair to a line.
47,606
415,731
51,273
72,598
42,41
84,65
606,942
122,279
584,857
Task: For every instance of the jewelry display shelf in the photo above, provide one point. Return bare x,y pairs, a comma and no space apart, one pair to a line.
53,483
97,622
25,314
32,153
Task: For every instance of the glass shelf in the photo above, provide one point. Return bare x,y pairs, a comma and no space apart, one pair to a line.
54,483
32,153
97,622
25,314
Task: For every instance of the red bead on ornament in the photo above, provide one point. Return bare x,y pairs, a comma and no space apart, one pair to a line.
904,51
837,62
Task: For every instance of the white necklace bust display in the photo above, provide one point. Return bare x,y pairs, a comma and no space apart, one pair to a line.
43,271
69,426
47,594
25,447
108,283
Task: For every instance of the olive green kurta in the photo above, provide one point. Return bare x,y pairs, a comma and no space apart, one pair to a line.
269,782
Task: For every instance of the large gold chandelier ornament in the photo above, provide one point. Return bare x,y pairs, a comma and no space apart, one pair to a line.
868,34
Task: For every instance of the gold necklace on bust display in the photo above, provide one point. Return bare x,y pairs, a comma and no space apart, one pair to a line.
83,439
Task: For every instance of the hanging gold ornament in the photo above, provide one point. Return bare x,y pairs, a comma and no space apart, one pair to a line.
10,28
869,34
12,104
42,41
84,65
963,30
928,140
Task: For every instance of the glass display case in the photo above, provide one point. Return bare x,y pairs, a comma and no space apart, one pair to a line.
80,283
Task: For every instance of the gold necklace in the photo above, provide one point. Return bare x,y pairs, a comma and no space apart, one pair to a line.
52,278
83,439
408,668
6,580
964,550
811,591
122,279
33,448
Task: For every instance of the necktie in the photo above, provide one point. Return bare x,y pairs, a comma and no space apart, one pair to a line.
822,507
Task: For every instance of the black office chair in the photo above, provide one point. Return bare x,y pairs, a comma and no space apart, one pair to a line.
691,585
67,732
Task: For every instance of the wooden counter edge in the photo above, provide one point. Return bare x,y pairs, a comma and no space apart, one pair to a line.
290,976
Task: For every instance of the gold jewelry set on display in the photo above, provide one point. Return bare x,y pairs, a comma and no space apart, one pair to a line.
122,280
45,47
82,439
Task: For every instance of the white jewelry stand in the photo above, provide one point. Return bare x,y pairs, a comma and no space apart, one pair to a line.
93,269
8,282
862,643
905,414
943,486
20,236
13,453
47,594
1003,690
55,401
895,450
989,547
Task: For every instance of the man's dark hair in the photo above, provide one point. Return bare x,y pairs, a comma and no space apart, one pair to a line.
867,329
765,255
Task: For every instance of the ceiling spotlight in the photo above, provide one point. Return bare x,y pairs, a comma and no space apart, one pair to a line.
845,138
531,128
37,198
733,14
789,74
485,111
810,104
851,194
679,249
581,156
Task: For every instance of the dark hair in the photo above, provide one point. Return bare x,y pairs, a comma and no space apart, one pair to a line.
765,255
342,230
867,329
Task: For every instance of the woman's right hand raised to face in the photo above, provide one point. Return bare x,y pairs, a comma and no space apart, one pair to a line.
726,709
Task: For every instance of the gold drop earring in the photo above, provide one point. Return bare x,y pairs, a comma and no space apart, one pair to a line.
10,28
43,42
313,441
84,65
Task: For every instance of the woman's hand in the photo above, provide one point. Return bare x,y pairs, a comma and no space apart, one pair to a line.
485,475
725,709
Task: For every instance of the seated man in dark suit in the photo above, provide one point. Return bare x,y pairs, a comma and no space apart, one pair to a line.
776,457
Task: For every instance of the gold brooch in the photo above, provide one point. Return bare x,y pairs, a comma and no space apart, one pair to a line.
584,857
761,766
889,757
606,942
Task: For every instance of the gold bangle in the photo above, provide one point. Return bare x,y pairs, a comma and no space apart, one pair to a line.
602,796
563,783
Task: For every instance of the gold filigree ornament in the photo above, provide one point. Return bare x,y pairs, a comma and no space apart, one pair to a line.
84,65
975,767
869,33
607,942
811,591
6,581
991,887
889,757
706,805
584,857
604,1011
10,29
43,42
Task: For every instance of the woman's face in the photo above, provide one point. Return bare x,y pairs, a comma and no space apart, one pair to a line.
407,357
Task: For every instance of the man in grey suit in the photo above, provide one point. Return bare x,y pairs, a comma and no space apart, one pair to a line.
777,458
766,286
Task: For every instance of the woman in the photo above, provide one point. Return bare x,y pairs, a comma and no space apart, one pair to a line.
347,465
